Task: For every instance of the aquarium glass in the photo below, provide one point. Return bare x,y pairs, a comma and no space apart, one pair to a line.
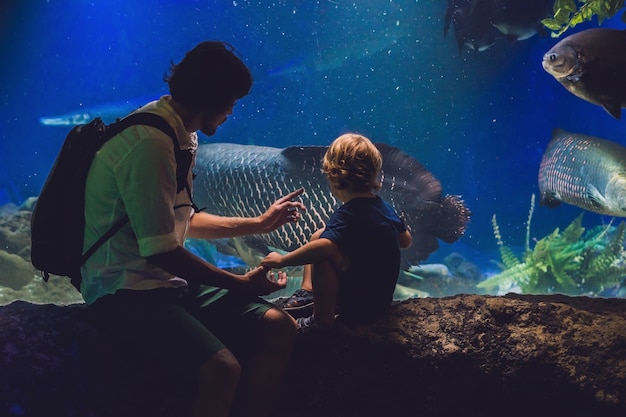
479,121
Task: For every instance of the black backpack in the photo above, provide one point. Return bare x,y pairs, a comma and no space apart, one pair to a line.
58,219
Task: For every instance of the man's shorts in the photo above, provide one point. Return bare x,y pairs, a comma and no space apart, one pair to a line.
181,328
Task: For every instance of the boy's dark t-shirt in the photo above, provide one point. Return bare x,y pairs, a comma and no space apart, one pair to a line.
366,230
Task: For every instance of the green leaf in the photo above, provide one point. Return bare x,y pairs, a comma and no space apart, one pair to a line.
569,5
569,13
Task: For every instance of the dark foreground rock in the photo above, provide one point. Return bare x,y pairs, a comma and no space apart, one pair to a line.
457,356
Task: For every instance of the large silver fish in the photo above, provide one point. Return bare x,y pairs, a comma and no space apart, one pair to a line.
242,180
584,171
592,65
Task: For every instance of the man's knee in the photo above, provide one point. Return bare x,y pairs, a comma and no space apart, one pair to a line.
279,328
222,368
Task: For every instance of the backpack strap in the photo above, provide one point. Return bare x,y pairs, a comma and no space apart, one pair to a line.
183,163
183,158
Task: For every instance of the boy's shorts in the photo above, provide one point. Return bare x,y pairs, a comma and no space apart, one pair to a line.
181,328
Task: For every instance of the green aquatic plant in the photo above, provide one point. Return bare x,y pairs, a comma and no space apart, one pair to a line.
569,13
570,262
509,260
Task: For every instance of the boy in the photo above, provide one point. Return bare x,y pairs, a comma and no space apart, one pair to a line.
352,264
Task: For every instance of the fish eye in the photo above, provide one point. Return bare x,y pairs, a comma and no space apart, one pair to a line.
552,57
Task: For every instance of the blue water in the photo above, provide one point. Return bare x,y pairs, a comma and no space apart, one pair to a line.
478,121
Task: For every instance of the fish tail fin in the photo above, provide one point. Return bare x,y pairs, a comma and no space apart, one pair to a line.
453,218
447,220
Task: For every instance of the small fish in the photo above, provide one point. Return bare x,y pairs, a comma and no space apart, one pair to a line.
592,65
339,54
519,20
108,112
472,24
584,171
478,24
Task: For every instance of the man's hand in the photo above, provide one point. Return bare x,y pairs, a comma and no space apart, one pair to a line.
262,281
284,210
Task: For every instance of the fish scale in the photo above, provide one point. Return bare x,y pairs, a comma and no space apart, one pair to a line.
241,180
244,180
584,171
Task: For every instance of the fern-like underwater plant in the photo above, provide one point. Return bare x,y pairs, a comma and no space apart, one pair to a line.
570,262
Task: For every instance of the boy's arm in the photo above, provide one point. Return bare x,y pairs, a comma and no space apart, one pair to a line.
312,252
405,239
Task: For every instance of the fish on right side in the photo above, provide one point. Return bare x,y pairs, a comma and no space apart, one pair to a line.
591,64
584,171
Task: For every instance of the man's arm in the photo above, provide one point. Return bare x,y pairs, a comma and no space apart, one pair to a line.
184,264
284,210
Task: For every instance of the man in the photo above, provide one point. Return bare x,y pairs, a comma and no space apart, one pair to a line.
154,295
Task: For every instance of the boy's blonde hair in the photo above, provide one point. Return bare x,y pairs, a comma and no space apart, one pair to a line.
352,161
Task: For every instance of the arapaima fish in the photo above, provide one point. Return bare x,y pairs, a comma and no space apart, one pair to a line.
243,180
584,171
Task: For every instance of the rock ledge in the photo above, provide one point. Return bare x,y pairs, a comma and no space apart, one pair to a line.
470,355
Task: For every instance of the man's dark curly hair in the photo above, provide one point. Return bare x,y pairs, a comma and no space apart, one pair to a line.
211,77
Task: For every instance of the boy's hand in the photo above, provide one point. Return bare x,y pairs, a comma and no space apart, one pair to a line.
272,260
